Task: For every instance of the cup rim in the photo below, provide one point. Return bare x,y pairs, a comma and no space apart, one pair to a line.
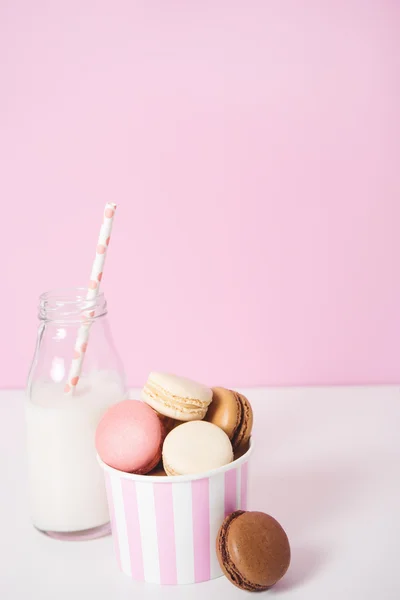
178,478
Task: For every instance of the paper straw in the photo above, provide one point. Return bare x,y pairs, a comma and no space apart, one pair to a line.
93,291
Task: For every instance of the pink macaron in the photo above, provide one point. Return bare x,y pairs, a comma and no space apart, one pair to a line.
129,437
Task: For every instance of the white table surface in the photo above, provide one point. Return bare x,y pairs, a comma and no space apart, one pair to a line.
326,465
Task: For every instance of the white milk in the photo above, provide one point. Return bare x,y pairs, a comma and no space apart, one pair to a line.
66,483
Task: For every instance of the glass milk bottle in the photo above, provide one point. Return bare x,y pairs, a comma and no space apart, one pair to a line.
67,494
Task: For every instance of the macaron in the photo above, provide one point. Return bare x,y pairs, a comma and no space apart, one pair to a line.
253,550
176,397
167,422
232,412
129,437
196,447
158,471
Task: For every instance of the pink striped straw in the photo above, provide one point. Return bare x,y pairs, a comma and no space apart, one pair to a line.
93,291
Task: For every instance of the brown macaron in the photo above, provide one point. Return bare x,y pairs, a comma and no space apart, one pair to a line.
158,471
167,422
253,550
232,412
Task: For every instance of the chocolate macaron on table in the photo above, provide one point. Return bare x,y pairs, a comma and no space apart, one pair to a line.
253,550
198,441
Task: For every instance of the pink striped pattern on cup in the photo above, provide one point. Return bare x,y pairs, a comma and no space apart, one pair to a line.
165,528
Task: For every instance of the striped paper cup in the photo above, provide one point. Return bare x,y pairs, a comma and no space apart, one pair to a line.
165,528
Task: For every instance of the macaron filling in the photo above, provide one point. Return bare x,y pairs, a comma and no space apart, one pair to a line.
169,470
242,433
155,394
238,430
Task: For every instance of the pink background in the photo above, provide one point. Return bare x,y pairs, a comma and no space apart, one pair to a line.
253,148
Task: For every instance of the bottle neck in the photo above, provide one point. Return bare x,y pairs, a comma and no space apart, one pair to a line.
70,306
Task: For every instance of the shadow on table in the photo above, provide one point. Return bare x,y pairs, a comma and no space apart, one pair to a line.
303,501
305,563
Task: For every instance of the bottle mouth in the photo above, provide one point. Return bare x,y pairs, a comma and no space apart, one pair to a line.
71,305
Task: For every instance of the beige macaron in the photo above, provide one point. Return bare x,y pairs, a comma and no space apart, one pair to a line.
176,397
196,447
